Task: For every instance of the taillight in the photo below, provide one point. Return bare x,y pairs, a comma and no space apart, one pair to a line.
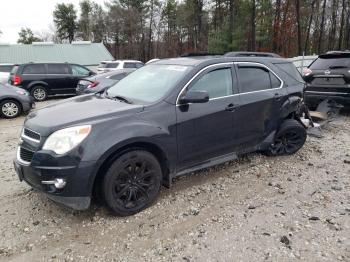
307,71
93,84
16,80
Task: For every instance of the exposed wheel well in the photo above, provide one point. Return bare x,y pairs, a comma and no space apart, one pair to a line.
149,147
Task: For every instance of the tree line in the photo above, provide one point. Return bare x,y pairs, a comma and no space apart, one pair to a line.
144,29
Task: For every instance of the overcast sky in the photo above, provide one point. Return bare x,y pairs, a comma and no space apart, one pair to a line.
35,14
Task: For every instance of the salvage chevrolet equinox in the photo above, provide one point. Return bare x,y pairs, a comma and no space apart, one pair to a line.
166,119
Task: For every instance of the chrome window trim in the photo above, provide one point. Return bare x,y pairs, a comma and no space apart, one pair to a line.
29,138
197,74
231,63
266,67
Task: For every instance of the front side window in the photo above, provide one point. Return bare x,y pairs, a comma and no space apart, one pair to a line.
217,83
111,65
254,78
80,71
149,83
129,65
58,69
35,69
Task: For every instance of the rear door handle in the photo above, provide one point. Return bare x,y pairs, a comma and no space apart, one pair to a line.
278,96
231,107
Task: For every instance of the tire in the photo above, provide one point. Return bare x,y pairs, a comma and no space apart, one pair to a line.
290,137
39,93
132,183
10,109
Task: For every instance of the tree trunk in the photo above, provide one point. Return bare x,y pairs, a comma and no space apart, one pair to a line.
319,48
276,26
231,25
306,46
253,33
341,30
297,9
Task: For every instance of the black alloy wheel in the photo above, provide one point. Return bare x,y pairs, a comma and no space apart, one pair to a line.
132,183
289,139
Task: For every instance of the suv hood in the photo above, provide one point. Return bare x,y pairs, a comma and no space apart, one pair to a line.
78,110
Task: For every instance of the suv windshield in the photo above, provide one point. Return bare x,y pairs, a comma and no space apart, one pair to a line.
149,83
331,62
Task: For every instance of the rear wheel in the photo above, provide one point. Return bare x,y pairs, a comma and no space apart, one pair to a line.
10,109
289,139
132,183
39,93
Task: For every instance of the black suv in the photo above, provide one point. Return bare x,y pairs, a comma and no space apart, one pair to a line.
328,77
166,119
47,79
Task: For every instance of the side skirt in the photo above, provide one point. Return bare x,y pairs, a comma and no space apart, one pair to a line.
211,162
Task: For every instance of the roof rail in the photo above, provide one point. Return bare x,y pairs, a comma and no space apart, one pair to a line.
200,54
250,54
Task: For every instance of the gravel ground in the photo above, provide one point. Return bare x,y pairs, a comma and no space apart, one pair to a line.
258,208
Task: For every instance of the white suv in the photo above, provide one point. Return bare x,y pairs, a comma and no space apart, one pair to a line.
106,66
5,70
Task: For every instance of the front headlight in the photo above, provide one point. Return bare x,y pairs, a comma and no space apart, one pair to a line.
23,93
66,139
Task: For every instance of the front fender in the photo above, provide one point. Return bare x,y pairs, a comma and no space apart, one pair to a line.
120,136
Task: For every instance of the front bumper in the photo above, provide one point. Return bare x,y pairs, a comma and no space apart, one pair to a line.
28,104
76,194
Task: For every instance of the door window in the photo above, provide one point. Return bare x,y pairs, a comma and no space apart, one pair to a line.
217,83
79,70
35,69
130,65
253,78
58,69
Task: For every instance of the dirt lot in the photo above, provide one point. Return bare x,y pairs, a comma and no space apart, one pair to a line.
258,208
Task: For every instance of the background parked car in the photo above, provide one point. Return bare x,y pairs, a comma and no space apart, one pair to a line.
106,66
14,101
47,79
328,77
5,70
101,82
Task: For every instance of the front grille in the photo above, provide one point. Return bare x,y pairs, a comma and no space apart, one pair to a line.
25,154
31,134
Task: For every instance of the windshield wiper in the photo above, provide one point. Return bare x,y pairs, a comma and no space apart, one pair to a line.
335,67
119,97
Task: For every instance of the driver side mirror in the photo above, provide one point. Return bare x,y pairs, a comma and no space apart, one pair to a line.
194,97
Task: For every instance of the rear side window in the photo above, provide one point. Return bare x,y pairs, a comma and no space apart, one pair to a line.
254,78
217,83
35,69
138,65
6,68
291,70
59,69
331,62
79,70
118,76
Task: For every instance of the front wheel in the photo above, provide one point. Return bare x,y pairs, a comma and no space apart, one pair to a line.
132,183
289,139
10,109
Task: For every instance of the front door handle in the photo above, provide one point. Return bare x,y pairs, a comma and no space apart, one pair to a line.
231,107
